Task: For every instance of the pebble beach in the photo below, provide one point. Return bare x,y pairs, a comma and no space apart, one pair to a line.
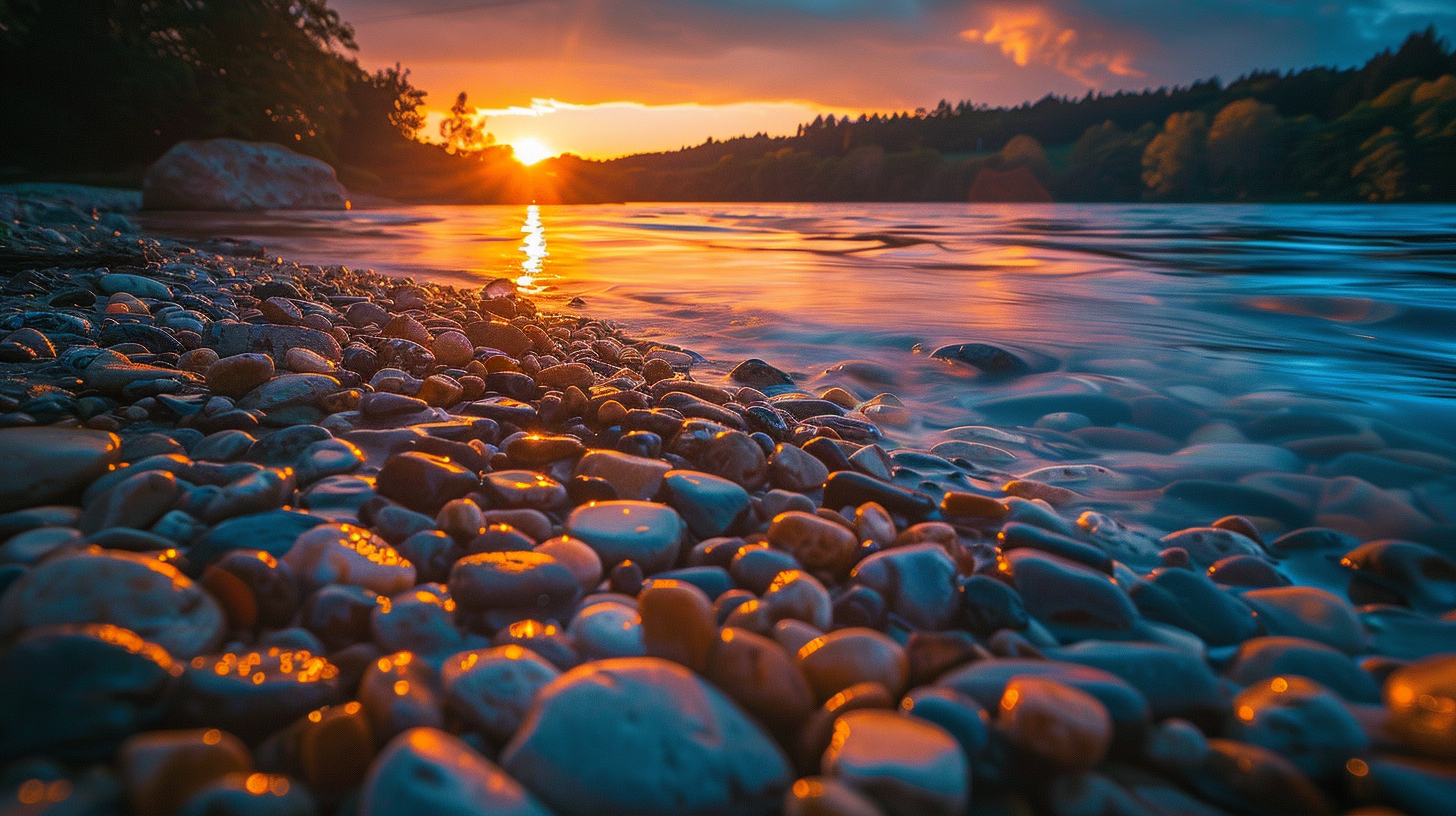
287,540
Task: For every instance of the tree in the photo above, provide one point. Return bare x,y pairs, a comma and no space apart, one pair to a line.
1242,151
1173,162
464,132
1382,172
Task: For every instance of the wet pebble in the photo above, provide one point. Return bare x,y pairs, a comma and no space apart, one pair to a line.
905,764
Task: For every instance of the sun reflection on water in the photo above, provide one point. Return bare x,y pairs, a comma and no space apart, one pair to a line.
534,247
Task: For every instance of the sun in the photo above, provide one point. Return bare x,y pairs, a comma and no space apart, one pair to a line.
531,150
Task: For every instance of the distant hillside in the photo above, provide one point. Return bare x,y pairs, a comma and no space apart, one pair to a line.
1383,132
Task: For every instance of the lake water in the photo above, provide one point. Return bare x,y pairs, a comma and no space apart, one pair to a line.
1355,304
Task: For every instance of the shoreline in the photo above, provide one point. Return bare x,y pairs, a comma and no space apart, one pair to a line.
327,483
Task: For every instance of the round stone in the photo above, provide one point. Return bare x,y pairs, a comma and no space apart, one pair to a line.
303,361
144,595
645,533
1074,601
1421,699
345,554
853,655
492,689
677,745
399,692
760,676
162,769
425,770
735,457
710,505
907,765
237,375
1301,721
422,482
420,620
635,478
582,560
1308,612
792,469
607,629
817,543
46,465
917,582
677,623
495,589
255,794
74,692
525,488
255,693
452,348
1057,722
797,595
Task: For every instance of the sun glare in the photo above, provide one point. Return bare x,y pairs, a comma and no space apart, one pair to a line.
531,150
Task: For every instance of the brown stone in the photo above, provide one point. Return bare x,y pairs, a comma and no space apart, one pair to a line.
1421,699
237,375
823,796
453,348
853,655
197,361
161,769
303,361
873,523
956,504
635,477
677,622
501,336
1054,721
818,544
814,737
909,766
760,676
440,391
422,482
792,469
581,560
797,595
281,311
406,327
734,456
566,375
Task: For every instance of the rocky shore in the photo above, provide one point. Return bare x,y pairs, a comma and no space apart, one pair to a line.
289,540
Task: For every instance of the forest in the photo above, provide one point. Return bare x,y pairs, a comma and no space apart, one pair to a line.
109,85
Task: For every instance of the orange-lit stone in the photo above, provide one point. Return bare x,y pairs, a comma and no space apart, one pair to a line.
853,655
909,766
1059,723
161,769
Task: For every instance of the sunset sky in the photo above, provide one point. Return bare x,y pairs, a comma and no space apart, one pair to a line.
604,78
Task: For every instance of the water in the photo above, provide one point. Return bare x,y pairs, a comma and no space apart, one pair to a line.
1282,305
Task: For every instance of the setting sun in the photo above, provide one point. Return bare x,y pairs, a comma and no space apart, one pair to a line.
531,150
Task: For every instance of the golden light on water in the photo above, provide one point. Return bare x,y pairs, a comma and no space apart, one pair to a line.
533,246
531,150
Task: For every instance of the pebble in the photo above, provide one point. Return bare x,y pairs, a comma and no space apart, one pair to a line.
491,689
426,770
1054,722
906,765
677,623
525,488
607,629
345,554
141,594
853,655
424,483
790,468
254,693
418,620
237,375
679,746
635,478
399,692
760,676
1308,612
817,543
493,590
918,583
822,796
580,559
1299,720
1421,699
46,465
710,505
161,770
1072,600
645,533
49,707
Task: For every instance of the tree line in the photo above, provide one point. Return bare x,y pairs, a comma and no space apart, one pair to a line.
97,89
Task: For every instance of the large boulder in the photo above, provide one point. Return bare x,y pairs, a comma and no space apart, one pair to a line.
228,174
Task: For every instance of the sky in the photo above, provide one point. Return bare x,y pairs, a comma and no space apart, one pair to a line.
604,78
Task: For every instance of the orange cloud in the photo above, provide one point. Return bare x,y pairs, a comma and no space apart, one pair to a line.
1030,34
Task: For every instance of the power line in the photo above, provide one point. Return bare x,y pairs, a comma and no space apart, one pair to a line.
452,10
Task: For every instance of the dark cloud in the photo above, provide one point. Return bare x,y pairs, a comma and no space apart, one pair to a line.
871,54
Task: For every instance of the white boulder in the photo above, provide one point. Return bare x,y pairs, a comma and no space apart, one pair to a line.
228,174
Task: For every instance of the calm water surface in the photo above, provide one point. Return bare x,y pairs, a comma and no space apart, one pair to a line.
1345,305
